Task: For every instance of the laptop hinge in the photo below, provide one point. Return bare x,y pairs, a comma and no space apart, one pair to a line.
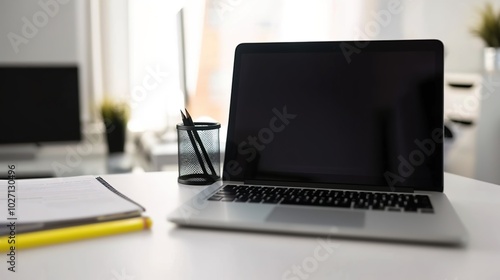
332,186
404,190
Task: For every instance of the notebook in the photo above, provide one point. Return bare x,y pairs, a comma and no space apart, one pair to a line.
334,138
39,204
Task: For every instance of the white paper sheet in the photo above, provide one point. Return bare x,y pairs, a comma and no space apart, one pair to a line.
61,199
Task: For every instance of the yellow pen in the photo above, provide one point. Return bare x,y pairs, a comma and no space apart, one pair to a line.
68,234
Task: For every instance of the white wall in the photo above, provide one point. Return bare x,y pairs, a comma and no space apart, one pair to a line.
46,32
447,20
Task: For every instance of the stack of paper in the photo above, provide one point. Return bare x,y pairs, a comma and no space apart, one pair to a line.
41,209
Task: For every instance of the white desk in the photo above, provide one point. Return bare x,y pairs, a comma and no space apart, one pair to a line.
169,252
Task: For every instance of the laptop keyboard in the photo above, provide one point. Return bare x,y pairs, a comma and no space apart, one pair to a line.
377,201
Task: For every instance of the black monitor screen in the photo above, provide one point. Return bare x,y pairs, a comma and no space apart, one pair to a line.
360,113
39,104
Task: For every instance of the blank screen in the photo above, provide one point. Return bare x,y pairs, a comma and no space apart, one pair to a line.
39,104
315,115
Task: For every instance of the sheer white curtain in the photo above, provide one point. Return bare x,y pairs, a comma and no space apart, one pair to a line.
110,55
135,57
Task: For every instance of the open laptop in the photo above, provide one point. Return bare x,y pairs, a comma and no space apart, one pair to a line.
334,138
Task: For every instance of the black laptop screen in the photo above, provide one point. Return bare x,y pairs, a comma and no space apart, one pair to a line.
357,113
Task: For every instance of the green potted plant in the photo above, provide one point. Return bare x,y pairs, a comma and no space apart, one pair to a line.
115,115
488,29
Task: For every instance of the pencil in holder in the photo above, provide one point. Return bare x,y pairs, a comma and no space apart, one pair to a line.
198,153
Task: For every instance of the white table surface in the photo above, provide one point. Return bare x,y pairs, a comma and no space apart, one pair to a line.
171,252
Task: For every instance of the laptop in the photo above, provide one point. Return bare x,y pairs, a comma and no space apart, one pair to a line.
334,138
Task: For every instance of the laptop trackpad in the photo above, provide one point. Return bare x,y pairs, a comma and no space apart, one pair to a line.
314,216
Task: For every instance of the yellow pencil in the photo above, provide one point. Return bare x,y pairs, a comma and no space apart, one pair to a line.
61,235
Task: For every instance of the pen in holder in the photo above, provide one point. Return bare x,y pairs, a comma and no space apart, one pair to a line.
198,152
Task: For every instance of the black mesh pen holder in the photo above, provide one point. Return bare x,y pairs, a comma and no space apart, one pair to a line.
198,153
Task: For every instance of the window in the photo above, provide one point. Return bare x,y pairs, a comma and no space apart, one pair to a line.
230,22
